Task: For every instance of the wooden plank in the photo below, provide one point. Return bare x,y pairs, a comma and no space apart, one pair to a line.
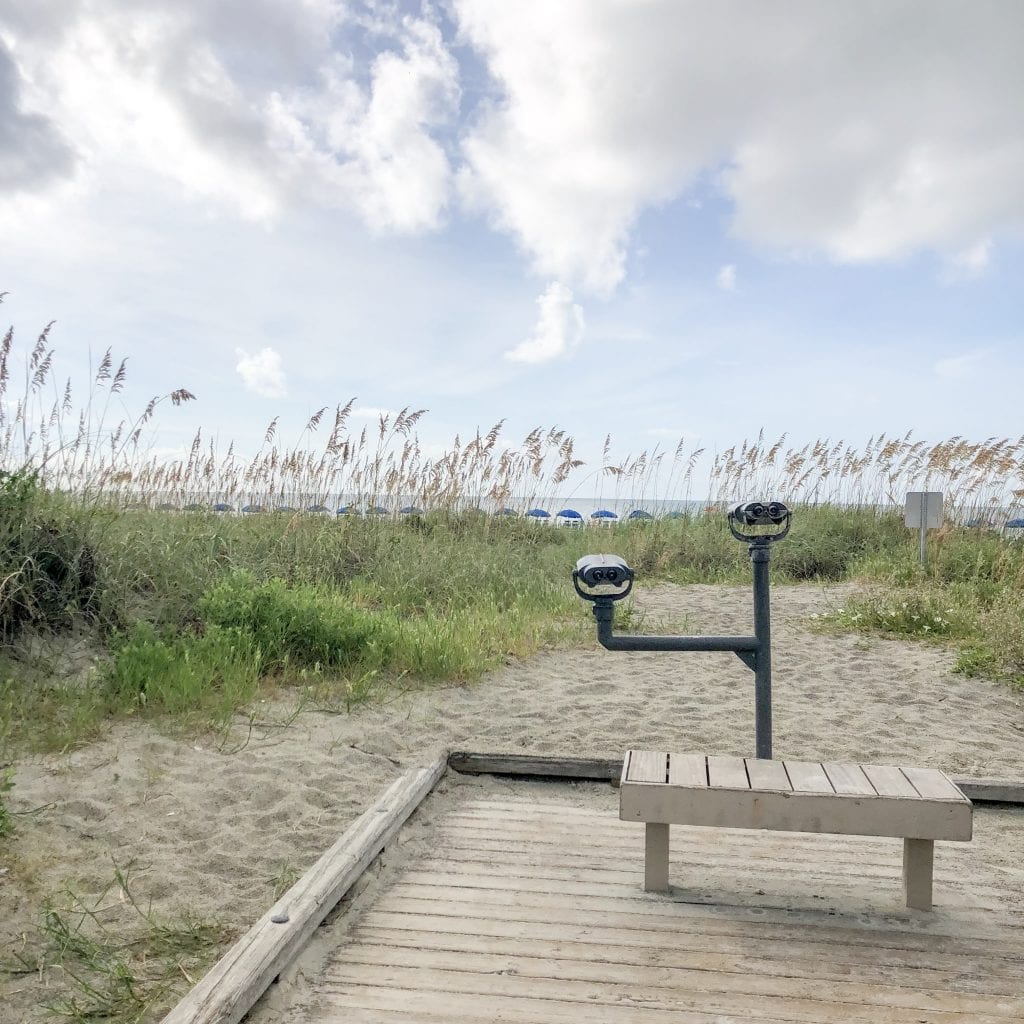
647,766
932,784
229,990
960,934
798,812
848,779
727,773
523,961
599,768
888,780
451,1006
980,790
996,791
625,1003
691,936
759,962
808,777
764,774
688,770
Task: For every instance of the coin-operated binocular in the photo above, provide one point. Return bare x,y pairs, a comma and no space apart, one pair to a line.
605,579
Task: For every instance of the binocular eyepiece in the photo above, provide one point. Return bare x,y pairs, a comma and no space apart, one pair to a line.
603,571
760,513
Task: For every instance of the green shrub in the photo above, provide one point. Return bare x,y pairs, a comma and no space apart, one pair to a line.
48,572
304,625
217,669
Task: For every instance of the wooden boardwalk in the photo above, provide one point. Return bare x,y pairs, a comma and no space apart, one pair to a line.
532,911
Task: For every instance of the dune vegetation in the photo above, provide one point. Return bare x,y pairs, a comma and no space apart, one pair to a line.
192,614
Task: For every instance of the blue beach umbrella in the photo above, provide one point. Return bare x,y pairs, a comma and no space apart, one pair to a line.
223,506
538,513
344,510
569,513
1015,524
317,509
376,510
252,509
604,513
639,513
411,510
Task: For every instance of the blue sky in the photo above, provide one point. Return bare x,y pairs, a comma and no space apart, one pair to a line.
652,219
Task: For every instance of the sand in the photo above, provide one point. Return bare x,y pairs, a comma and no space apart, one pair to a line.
212,830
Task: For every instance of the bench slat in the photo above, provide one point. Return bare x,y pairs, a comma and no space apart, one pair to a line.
848,779
688,770
808,777
889,780
765,774
933,784
647,766
727,773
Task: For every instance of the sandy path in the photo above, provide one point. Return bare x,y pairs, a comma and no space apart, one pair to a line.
210,830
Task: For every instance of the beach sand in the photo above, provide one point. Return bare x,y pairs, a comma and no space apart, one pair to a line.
210,831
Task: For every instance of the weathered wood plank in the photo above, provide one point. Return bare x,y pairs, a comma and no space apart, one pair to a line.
961,934
797,812
691,936
688,770
764,774
838,997
980,790
889,781
761,962
848,779
932,784
606,999
647,766
808,777
599,768
727,773
229,990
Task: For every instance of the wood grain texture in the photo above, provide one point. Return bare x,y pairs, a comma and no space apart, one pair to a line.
555,938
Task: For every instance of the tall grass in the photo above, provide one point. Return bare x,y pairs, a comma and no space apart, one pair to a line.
199,613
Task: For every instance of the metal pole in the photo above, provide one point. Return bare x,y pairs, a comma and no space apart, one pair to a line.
760,555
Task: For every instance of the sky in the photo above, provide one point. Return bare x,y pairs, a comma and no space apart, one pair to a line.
651,218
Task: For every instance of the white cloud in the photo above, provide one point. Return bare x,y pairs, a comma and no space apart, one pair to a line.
958,367
558,330
245,104
262,373
863,139
726,278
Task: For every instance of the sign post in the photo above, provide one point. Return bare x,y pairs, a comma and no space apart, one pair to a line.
923,512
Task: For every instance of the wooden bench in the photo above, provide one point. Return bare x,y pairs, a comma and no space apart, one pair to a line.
918,804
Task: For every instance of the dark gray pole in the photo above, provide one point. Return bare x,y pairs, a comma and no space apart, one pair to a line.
760,555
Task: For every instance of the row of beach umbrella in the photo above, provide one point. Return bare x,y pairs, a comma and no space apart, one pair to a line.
567,514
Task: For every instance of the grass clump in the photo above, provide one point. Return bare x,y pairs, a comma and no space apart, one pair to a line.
969,594
113,958
6,785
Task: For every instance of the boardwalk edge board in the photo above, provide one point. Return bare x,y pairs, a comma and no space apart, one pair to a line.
234,984
598,769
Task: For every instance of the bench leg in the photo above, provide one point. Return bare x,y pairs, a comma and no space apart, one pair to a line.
656,857
918,857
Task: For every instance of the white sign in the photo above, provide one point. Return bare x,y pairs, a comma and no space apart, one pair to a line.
923,510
